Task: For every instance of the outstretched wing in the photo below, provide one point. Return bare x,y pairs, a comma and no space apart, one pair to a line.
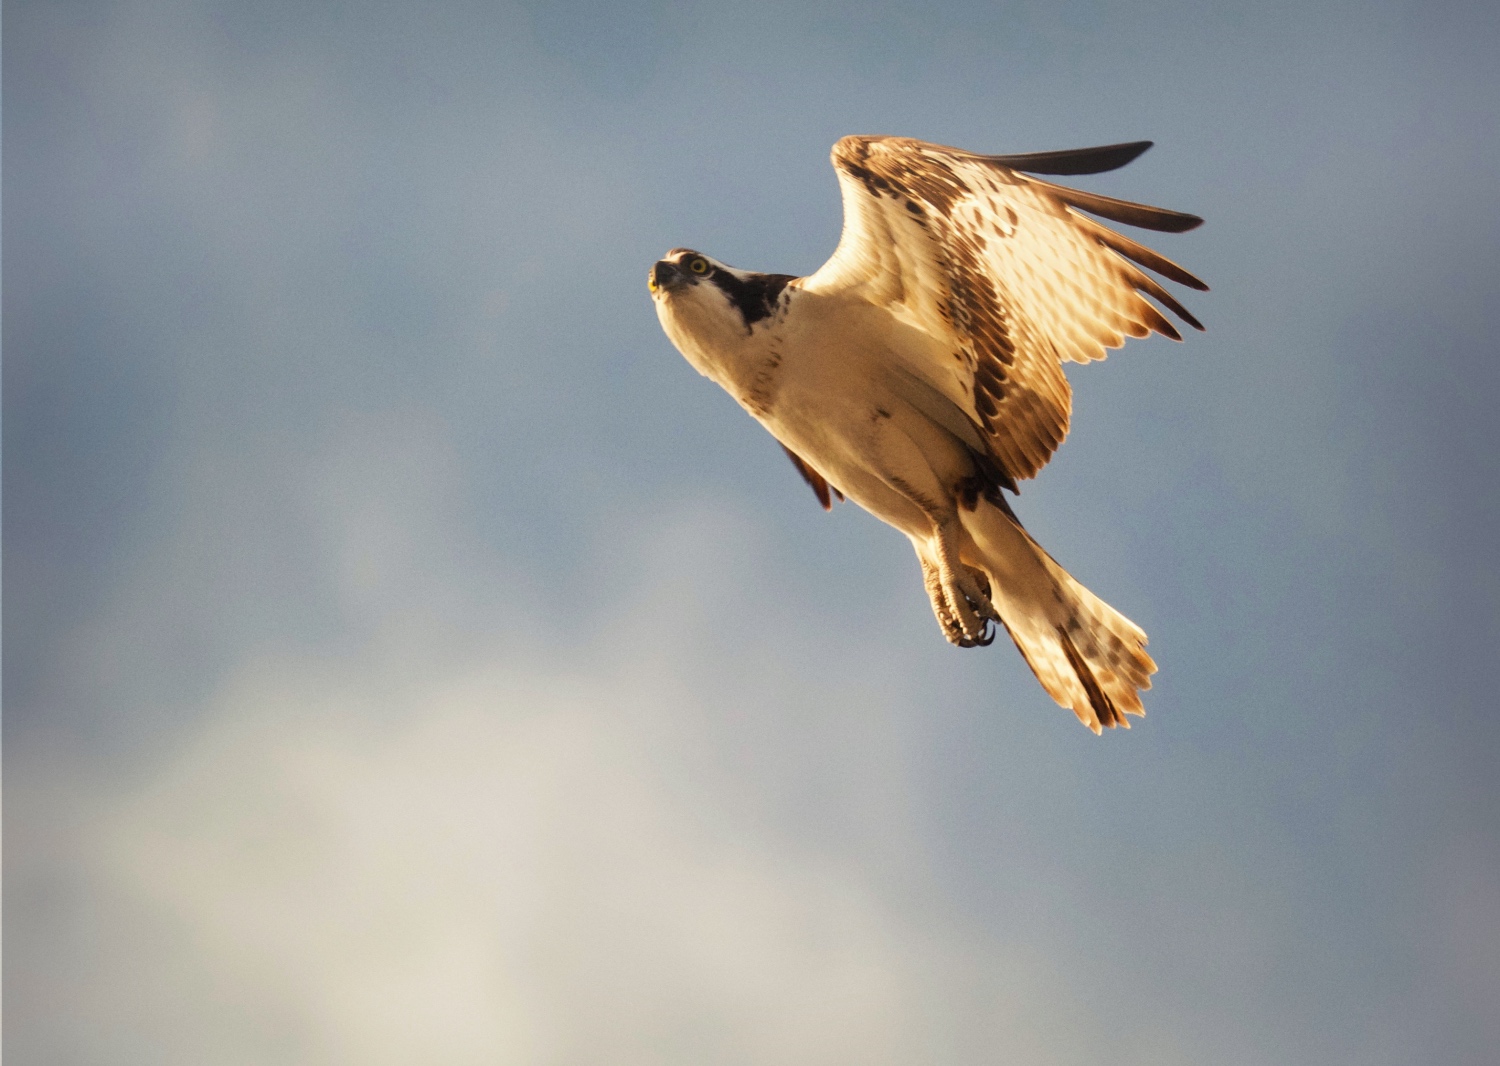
1005,271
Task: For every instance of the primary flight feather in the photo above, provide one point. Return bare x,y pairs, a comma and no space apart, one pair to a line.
919,373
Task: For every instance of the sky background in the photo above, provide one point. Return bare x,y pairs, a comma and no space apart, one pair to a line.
408,658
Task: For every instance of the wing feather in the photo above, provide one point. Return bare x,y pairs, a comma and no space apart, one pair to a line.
1074,160
1004,272
1132,214
1139,253
820,486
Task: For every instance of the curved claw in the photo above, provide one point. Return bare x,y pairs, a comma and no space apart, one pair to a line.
978,602
955,634
982,641
962,605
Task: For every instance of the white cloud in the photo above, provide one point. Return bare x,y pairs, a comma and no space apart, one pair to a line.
448,843
491,870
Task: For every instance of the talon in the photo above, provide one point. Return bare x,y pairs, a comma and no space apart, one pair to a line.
979,597
985,638
962,604
953,631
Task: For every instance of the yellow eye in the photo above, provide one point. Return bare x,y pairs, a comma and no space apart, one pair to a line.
699,266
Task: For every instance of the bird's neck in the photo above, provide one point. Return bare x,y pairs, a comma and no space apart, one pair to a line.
744,361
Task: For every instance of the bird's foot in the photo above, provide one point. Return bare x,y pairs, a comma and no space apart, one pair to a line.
963,608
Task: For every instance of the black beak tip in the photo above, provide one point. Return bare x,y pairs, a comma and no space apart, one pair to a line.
661,274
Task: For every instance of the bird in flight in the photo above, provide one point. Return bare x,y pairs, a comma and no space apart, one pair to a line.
919,374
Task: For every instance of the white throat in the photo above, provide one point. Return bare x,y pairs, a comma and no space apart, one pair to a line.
711,334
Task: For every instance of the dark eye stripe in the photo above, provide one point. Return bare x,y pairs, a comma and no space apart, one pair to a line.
755,296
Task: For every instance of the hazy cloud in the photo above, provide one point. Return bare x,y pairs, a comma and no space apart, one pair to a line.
408,656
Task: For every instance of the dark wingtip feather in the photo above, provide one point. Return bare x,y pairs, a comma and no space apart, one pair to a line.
1073,160
1183,313
1131,214
1161,324
1146,257
1183,222
1150,287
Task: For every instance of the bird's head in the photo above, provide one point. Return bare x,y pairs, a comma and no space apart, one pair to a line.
682,269
704,301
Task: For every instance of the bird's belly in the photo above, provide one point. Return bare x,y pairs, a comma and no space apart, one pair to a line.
839,404
844,439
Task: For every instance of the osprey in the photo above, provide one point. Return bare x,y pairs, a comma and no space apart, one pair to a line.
919,373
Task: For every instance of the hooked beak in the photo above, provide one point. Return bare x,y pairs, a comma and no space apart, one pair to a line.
664,275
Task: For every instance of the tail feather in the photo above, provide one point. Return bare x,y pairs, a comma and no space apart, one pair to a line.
1103,706
1088,656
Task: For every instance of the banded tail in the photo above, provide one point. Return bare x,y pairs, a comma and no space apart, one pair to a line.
1087,655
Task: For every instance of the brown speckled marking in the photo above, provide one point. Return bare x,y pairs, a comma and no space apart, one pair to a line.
1104,707
964,202
762,390
973,304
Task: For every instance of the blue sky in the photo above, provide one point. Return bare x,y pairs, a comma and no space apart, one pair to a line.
407,656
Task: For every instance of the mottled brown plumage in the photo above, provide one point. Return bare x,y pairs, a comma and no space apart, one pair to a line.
919,373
